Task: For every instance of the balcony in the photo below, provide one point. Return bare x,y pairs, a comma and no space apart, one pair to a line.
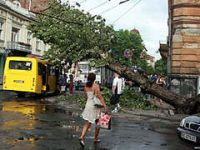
19,46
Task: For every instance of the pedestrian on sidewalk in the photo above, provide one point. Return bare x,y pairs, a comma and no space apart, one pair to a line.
71,84
117,87
66,83
153,78
161,82
63,83
91,112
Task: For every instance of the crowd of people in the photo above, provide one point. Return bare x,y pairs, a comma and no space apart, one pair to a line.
65,84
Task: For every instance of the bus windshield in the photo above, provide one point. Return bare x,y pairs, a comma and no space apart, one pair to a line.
20,65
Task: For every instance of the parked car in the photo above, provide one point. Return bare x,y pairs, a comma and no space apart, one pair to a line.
189,129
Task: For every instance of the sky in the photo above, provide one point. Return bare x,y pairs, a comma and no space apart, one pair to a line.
147,16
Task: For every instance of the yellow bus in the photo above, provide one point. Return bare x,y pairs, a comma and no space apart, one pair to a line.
29,75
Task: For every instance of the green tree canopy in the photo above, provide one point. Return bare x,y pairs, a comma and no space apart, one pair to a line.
161,67
75,35
72,34
127,47
130,43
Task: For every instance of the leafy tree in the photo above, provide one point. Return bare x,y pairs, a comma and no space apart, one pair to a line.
127,47
130,43
74,36
161,67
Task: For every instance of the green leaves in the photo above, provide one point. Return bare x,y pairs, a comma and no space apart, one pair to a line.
127,40
75,36
72,34
161,67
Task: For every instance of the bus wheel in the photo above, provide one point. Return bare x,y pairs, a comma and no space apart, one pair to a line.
20,94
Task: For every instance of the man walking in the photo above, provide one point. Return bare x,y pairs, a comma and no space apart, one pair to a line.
117,90
71,84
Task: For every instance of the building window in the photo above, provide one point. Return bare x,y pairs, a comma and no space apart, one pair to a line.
1,30
38,46
15,35
29,37
84,68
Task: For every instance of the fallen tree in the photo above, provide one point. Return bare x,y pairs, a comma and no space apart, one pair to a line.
180,103
75,36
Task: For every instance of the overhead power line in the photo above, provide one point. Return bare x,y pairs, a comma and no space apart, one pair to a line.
127,11
82,1
57,18
109,9
99,5
123,2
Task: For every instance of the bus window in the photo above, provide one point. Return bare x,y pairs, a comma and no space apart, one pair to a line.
20,65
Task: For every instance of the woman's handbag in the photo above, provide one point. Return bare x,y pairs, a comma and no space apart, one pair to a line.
104,121
97,102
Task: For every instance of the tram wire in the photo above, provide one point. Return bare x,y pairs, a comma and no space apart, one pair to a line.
127,11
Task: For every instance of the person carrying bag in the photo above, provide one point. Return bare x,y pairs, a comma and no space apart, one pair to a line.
91,112
104,121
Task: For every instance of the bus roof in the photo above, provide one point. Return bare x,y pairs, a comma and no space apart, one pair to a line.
26,59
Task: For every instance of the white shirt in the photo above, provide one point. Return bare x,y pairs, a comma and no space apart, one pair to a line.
119,83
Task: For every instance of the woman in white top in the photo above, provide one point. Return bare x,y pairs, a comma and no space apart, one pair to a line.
91,112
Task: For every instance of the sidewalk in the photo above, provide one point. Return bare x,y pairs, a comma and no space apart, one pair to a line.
146,113
155,114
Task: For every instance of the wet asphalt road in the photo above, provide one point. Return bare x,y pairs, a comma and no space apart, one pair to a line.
29,124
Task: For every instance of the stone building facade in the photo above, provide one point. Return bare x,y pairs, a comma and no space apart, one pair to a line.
15,38
184,47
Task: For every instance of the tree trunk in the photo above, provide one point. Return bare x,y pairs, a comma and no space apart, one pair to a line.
180,103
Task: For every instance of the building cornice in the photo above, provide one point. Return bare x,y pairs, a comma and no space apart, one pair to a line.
15,13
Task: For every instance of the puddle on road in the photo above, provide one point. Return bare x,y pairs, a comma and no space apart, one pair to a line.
33,121
34,110
31,108
25,107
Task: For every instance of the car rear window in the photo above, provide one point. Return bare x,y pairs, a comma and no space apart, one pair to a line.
20,65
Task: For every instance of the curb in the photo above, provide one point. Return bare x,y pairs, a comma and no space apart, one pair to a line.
152,114
146,114
62,105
